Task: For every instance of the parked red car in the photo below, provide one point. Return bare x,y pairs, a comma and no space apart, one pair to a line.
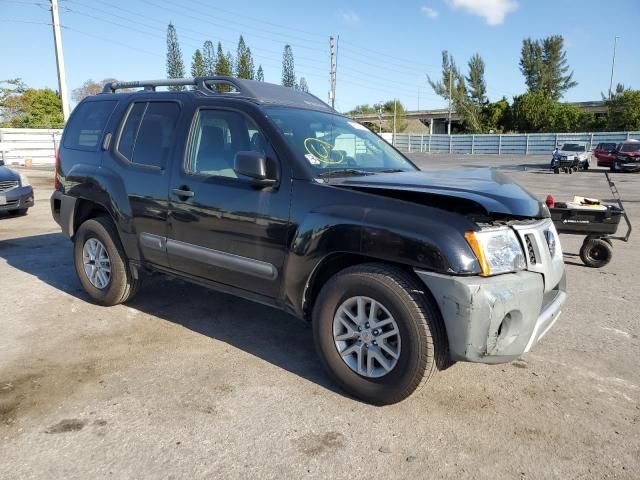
627,157
605,153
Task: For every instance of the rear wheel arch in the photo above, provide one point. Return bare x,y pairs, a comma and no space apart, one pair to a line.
86,210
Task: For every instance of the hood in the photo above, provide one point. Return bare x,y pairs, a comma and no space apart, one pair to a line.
486,187
569,153
8,174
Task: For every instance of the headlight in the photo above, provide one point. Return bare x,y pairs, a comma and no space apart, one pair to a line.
24,181
498,250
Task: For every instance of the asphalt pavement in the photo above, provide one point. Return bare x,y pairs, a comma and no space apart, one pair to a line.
184,382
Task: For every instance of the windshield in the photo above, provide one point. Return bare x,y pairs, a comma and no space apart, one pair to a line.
630,147
573,147
332,143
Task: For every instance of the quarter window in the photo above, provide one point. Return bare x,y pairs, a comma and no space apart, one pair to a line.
149,133
87,124
218,136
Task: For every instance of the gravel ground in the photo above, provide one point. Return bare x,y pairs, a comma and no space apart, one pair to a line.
187,383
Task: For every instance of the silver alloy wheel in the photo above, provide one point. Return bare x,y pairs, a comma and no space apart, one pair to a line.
366,336
97,265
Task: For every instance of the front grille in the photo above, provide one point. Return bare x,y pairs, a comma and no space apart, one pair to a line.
10,203
530,251
6,185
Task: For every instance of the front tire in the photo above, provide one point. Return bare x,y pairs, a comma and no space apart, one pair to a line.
378,335
101,264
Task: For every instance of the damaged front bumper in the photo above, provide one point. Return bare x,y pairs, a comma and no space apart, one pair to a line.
495,319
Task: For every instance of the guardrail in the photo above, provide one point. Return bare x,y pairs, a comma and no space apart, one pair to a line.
496,144
19,145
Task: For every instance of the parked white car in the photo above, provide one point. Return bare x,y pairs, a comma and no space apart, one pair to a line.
571,155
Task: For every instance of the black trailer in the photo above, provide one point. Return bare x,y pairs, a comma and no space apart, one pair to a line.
598,226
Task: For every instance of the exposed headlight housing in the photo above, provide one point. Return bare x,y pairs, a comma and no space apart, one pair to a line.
24,181
498,250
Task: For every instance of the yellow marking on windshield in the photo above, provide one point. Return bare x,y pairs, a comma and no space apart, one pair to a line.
321,150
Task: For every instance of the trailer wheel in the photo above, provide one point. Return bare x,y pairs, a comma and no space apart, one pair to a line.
596,252
556,169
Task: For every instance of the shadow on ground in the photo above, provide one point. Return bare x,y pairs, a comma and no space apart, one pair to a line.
262,331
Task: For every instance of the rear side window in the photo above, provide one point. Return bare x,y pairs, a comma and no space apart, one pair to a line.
149,133
87,123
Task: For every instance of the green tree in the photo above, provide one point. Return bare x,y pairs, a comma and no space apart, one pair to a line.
388,108
244,61
222,68
450,77
475,81
468,107
175,65
288,68
304,87
533,112
260,74
209,55
32,108
545,67
497,116
624,110
198,65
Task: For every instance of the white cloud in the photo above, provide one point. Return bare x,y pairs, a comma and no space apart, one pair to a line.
350,17
493,11
429,12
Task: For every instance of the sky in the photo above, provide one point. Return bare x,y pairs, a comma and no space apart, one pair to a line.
385,49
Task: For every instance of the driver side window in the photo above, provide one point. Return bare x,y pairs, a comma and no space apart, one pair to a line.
217,137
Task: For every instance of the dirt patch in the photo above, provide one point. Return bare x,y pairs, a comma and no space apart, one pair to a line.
67,425
314,444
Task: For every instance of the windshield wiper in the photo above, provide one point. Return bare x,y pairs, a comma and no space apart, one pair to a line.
344,172
391,170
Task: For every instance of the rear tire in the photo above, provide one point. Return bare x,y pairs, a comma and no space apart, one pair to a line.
420,346
120,286
596,252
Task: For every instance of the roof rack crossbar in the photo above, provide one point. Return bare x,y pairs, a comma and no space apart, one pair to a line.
202,84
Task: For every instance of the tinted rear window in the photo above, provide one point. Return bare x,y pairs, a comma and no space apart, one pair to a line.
149,132
85,128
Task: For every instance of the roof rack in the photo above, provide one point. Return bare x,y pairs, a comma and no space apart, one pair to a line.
262,92
202,84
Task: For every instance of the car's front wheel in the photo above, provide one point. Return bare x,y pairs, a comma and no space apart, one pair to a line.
378,334
101,263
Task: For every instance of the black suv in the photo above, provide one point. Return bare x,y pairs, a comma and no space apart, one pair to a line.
267,193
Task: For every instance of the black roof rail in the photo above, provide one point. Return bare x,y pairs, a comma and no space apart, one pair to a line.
262,92
202,84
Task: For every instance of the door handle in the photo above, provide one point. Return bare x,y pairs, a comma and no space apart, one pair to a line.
179,192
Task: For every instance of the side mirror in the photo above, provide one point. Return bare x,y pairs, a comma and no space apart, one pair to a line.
256,166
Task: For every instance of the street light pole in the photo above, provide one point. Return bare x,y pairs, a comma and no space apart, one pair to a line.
62,77
449,124
613,63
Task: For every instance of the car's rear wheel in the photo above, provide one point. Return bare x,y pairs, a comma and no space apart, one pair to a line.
101,263
377,333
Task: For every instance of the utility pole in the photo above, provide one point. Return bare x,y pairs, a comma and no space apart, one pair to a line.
449,124
395,105
380,116
333,57
62,77
613,63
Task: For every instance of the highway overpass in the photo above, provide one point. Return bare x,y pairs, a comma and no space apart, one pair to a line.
435,120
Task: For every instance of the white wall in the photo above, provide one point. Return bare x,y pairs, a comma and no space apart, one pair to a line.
38,144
